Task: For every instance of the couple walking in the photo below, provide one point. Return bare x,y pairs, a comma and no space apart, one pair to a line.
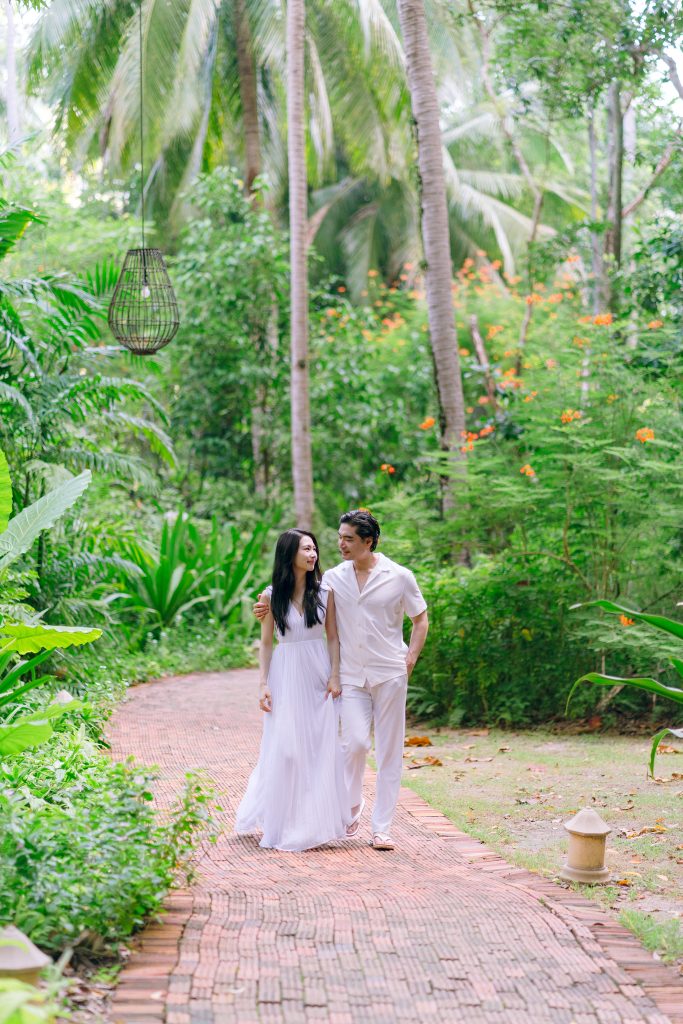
307,787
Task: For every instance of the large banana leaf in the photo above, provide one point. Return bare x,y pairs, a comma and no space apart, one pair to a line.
32,730
658,621
27,639
657,739
642,683
30,522
5,493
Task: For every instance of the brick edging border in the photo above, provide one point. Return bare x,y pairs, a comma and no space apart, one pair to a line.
661,983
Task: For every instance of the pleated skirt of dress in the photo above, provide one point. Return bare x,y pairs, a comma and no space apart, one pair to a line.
296,794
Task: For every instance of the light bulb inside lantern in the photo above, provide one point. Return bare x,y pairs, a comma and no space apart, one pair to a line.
145,291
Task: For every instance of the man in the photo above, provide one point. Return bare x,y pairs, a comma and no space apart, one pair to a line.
372,594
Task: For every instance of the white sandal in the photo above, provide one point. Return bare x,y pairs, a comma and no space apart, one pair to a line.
354,824
382,841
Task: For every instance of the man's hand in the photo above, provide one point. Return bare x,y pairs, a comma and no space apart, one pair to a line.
261,608
265,701
333,687
411,660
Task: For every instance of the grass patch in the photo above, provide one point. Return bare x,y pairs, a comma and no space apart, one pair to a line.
663,937
515,790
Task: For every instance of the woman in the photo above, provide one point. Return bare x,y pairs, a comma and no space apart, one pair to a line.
296,794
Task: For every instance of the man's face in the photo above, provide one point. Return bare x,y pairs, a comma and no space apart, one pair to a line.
351,546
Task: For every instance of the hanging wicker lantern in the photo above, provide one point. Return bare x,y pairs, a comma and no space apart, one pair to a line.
143,314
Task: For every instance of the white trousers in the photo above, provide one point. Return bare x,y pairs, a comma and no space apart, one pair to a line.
384,703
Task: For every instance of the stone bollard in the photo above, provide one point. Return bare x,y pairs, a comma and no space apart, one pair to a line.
586,855
19,958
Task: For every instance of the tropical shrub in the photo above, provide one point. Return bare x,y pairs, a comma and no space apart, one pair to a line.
84,859
649,685
188,570
19,732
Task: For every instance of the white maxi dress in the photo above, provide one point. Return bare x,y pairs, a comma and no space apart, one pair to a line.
296,794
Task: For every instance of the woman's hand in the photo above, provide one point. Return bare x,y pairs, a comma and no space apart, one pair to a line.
333,687
261,608
265,701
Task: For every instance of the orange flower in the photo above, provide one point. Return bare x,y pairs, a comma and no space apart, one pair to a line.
341,289
483,400
645,434
569,415
469,447
585,319
612,398
403,277
625,621
654,324
331,312
469,410
386,467
367,334
408,266
463,351
493,330
530,397
573,258
556,297
496,264
603,319
364,293
509,352
427,423
467,263
527,470
485,431
533,299
581,342
551,363
373,273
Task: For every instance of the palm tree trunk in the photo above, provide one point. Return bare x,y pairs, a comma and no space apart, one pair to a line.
13,129
615,122
246,70
302,464
435,232
596,250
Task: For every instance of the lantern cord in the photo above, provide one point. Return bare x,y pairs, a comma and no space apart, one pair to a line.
142,140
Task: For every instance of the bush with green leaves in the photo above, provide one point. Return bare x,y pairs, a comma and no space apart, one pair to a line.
84,858
187,570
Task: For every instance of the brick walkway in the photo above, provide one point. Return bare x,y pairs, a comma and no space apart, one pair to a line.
439,930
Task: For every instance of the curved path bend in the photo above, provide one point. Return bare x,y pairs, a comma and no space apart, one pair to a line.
441,929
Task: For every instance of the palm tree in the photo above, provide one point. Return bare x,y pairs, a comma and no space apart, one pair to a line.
302,465
435,232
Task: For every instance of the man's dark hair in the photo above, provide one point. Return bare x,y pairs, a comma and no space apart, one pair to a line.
363,523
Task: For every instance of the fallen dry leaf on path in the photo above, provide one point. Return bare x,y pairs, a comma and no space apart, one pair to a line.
645,830
503,750
478,732
478,759
425,762
666,748
623,881
418,741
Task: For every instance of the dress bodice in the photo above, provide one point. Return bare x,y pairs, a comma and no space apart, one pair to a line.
297,630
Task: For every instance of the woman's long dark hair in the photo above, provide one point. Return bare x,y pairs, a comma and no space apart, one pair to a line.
283,580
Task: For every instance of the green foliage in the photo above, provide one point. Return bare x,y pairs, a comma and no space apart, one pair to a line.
653,686
494,653
83,858
26,1004
188,570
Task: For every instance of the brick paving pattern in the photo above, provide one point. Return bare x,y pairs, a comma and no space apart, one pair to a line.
439,930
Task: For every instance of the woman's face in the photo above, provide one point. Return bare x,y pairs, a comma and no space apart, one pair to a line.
306,556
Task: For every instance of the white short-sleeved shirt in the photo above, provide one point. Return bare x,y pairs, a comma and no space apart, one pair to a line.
370,623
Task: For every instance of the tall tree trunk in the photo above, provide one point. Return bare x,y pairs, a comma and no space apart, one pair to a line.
302,463
246,69
13,128
615,123
435,232
599,297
